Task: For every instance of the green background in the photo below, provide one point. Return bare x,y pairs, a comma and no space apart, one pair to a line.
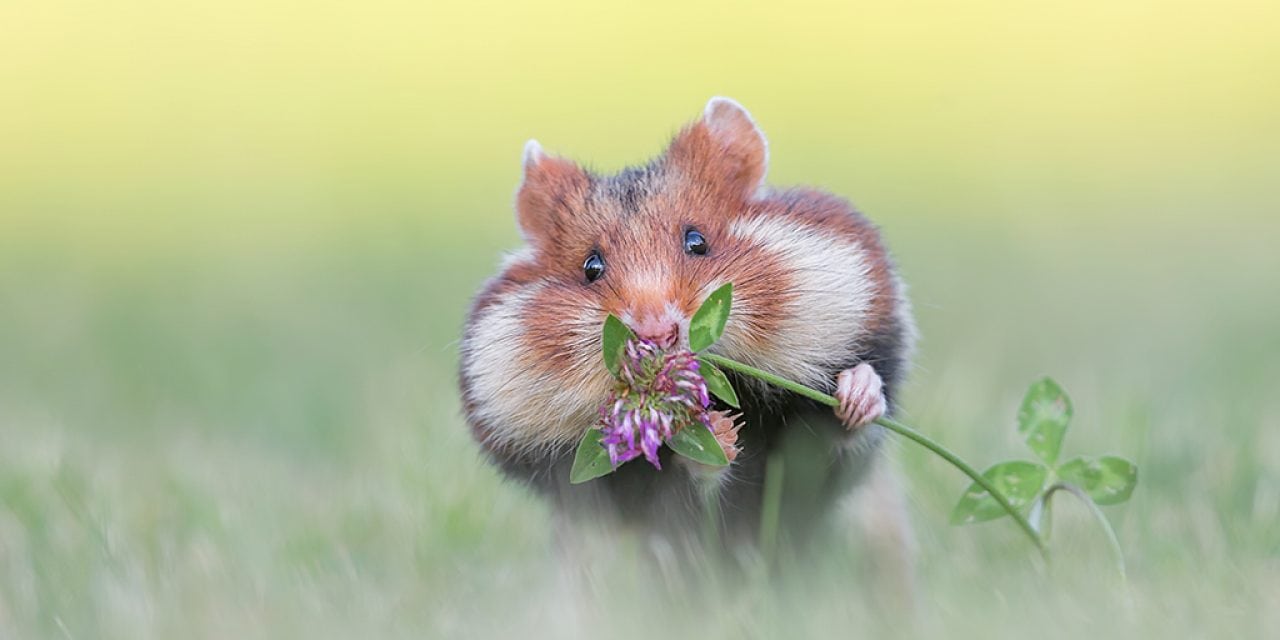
237,242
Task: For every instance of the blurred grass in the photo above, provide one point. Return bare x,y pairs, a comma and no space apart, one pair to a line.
237,242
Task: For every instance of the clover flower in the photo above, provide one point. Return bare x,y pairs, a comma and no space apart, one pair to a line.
658,393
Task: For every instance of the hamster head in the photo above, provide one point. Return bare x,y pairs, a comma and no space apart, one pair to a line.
648,245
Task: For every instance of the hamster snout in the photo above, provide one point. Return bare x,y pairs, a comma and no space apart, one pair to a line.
660,329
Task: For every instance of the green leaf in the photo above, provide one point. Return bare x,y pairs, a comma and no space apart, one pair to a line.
1108,480
718,383
697,443
1043,418
614,340
707,324
1018,481
591,460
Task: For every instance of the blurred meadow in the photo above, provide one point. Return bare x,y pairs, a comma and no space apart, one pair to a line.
238,239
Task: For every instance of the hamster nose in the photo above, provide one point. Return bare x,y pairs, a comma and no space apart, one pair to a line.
661,331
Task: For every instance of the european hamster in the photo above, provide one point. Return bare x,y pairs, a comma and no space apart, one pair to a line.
816,299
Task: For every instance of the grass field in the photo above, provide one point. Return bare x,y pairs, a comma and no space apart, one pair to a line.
237,244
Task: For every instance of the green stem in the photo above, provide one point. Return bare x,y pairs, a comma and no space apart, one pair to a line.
772,508
1097,515
1041,517
898,428
711,517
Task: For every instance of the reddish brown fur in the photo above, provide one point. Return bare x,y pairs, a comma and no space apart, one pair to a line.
552,194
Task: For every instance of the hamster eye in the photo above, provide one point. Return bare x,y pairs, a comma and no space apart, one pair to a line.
593,267
695,243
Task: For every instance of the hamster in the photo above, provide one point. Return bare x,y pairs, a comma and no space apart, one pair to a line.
816,299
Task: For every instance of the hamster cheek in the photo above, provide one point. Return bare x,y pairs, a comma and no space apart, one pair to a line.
528,397
821,296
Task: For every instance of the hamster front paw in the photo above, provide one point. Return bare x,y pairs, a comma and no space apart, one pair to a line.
861,394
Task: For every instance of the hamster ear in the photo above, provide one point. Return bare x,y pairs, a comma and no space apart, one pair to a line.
724,147
551,191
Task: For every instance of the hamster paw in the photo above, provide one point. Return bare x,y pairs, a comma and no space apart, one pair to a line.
726,425
861,394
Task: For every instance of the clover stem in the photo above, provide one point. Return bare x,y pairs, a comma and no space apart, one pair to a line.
1041,518
711,517
772,507
902,430
1098,516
